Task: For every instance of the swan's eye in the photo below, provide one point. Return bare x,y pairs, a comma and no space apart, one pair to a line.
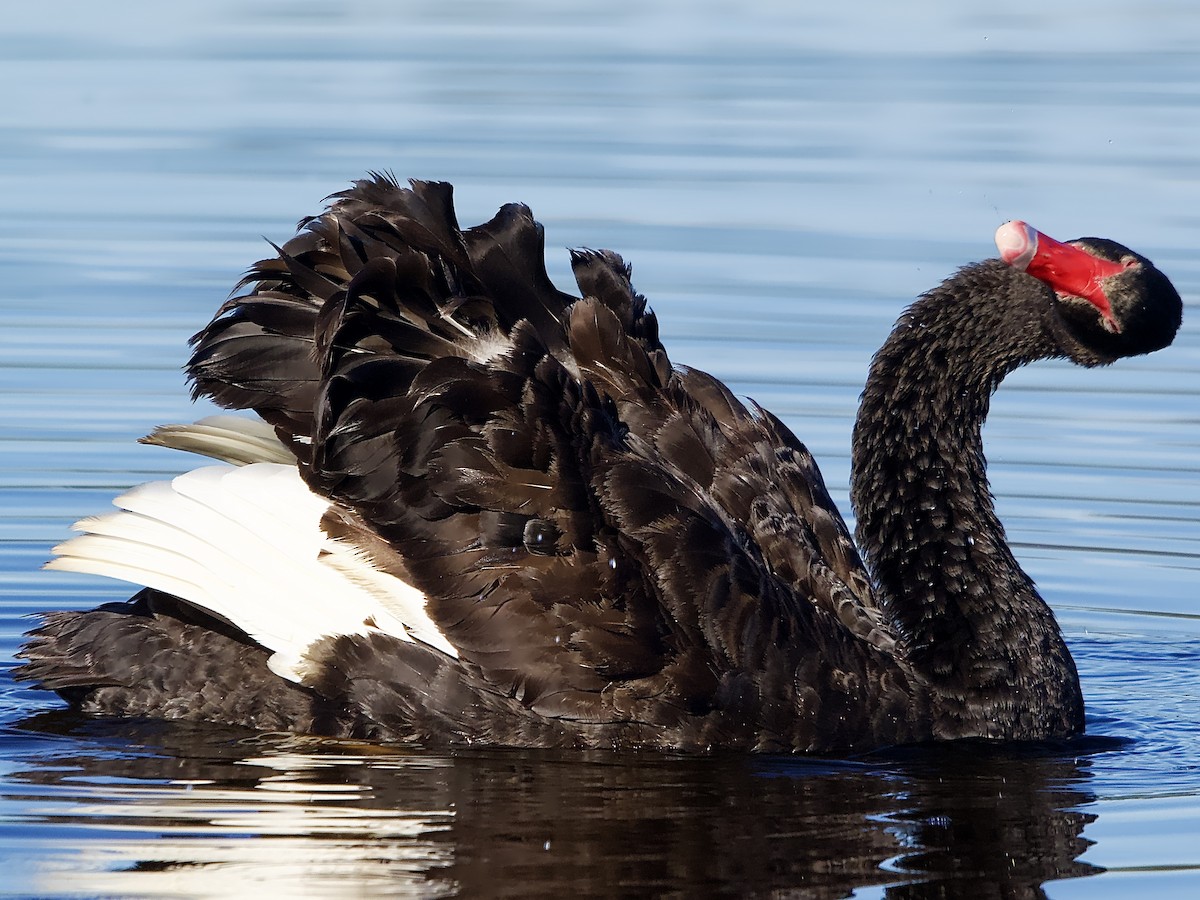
541,537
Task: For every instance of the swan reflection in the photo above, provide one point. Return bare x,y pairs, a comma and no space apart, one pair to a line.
168,809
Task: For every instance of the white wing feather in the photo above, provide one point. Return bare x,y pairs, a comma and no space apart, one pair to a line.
246,545
232,439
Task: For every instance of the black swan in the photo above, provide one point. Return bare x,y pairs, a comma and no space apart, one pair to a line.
481,510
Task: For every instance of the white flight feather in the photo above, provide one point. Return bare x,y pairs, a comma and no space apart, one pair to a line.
233,439
246,545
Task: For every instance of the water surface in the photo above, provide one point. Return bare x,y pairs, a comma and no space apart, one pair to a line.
784,182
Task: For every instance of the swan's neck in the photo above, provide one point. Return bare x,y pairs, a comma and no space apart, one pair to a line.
973,623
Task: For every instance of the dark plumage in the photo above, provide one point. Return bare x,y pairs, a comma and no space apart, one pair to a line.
621,552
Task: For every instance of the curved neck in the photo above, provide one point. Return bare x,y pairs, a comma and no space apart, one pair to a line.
973,623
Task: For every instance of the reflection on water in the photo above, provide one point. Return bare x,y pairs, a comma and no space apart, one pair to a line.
149,809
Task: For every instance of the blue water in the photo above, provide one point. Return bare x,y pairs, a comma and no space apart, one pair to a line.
783,181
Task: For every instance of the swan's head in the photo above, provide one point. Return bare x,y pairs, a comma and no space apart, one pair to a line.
1107,301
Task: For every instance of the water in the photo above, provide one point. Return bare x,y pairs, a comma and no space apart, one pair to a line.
784,181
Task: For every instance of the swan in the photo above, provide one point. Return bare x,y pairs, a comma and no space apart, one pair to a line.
474,509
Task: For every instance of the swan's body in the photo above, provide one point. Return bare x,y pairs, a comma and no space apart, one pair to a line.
492,512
